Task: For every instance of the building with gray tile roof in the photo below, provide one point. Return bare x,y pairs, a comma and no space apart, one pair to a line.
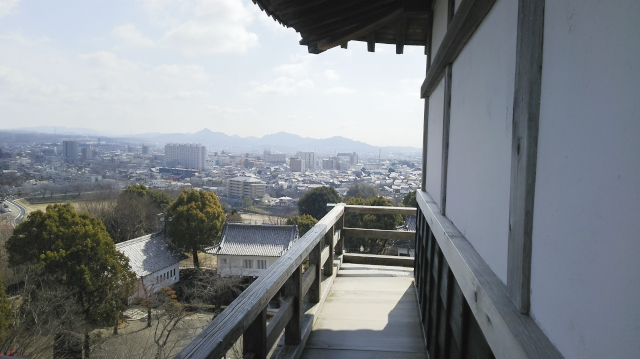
149,254
248,250
255,240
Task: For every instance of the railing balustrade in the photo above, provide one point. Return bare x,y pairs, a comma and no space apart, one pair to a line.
247,315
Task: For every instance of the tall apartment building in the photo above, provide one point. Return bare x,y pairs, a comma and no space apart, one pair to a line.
70,150
296,164
145,149
186,155
274,157
245,187
308,158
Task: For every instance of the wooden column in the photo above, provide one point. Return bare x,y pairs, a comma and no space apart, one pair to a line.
340,245
425,130
315,257
328,240
293,288
445,140
524,149
254,339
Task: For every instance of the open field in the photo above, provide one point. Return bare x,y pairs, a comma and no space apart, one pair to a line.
31,207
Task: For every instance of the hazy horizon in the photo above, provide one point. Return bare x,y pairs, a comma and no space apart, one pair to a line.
182,66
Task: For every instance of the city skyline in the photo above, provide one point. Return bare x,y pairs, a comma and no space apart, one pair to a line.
180,67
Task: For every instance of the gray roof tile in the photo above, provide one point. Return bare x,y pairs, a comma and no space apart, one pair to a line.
255,240
150,253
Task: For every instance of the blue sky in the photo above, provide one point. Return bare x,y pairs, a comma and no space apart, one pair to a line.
181,66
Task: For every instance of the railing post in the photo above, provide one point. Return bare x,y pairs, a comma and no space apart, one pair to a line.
254,339
315,257
340,225
293,288
328,240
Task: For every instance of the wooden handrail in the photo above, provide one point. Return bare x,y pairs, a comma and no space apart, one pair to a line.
247,314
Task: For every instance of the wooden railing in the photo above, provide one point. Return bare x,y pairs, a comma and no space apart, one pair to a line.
247,315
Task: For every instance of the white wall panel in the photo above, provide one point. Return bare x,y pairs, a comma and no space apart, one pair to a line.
480,136
585,286
434,143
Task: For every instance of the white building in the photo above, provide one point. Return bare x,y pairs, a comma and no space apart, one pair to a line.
154,261
186,155
280,158
296,164
246,187
248,250
309,160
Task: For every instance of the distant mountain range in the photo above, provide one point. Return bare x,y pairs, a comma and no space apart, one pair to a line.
216,141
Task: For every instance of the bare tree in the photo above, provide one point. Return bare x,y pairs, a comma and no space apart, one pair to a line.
41,311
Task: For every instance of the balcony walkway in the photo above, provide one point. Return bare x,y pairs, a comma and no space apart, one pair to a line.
370,312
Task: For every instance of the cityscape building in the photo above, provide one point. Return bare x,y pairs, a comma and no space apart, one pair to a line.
186,155
70,150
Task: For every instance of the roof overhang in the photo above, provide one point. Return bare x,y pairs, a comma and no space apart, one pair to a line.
324,24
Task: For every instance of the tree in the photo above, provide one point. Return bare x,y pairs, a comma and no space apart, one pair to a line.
247,202
195,221
5,312
314,202
362,190
409,200
77,249
305,222
371,221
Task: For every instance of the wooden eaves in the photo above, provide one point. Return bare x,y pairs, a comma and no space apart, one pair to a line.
324,24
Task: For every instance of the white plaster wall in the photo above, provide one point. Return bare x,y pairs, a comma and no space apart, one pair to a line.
434,142
439,25
479,172
585,289
234,265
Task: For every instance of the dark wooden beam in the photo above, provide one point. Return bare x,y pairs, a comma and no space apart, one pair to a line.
524,149
378,260
255,337
466,20
425,129
344,46
401,34
293,288
360,30
279,322
446,125
371,42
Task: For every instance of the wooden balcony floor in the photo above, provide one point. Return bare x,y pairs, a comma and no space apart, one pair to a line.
370,312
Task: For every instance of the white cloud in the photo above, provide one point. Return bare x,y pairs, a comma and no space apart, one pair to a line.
331,75
216,26
131,36
284,86
14,83
107,61
174,72
339,91
7,6
296,70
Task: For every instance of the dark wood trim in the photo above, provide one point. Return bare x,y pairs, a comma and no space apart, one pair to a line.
466,20
509,333
255,336
401,34
379,234
371,42
405,211
360,31
293,288
425,128
279,322
328,240
315,258
378,260
446,124
524,149
308,278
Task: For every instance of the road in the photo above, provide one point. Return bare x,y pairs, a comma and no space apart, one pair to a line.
22,212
